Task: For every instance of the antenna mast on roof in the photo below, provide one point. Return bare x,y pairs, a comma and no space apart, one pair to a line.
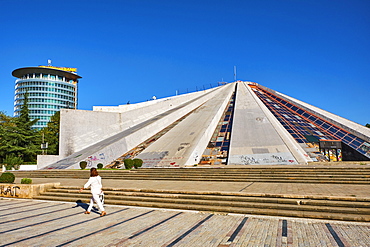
234,73
49,62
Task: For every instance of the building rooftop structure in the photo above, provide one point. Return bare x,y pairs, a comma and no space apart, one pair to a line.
239,123
48,88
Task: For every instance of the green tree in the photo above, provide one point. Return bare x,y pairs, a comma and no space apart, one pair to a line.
51,134
17,136
4,119
12,161
367,125
28,139
5,124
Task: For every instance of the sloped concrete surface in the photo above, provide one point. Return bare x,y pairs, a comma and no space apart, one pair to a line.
254,140
184,144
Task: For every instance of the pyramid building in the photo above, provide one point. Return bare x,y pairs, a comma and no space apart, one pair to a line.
239,123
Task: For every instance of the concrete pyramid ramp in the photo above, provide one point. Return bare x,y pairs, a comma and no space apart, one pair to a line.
111,148
184,144
239,123
257,137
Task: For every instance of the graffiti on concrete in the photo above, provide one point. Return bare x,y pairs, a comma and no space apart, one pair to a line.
92,158
102,156
260,159
247,160
162,161
12,191
278,158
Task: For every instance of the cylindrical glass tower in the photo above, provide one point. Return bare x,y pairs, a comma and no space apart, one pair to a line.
49,90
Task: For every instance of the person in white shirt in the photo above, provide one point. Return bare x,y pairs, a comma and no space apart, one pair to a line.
96,189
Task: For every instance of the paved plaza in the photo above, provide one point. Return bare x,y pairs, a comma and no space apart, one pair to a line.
26,222
40,223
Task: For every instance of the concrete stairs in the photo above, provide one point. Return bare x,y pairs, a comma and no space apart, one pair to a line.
317,207
329,175
307,206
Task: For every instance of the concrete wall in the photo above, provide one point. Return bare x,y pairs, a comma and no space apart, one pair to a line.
44,160
138,125
24,168
24,190
81,129
214,115
185,143
129,107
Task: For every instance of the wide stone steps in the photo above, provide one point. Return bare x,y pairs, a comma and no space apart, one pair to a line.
352,209
281,175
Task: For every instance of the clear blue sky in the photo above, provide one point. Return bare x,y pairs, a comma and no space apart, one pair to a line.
317,51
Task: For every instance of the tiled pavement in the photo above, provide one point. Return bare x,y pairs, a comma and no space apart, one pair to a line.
40,223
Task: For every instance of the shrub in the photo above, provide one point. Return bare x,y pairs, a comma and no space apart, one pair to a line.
137,163
100,166
26,181
83,165
129,163
7,177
